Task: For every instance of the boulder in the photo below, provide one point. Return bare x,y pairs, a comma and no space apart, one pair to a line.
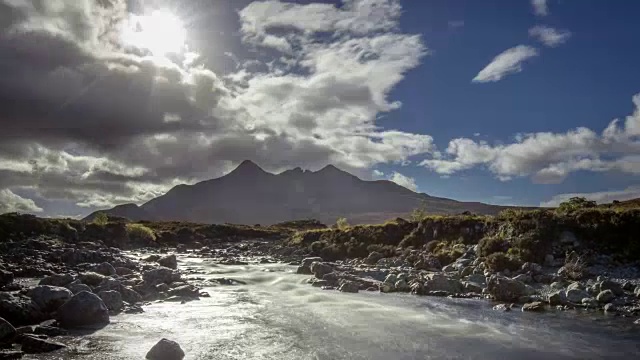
505,289
449,268
77,286
91,278
387,287
610,308
57,280
319,269
7,331
184,290
590,302
605,296
123,271
165,350
112,299
525,278
373,258
636,292
305,266
83,309
19,309
160,275
477,278
169,261
536,306
349,286
576,295
557,298
34,345
502,307
11,354
470,287
49,298
615,287
440,282
532,268
6,277
427,263
402,286
105,269
129,295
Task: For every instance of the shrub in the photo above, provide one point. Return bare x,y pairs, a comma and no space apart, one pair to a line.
101,219
139,232
432,245
575,203
419,214
342,224
490,245
500,262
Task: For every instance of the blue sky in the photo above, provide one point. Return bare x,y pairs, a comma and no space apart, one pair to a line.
506,102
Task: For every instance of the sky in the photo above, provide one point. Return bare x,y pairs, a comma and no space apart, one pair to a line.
513,102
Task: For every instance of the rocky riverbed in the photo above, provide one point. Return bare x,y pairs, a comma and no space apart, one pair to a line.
56,295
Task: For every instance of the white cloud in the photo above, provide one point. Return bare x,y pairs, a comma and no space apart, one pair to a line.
549,157
377,174
11,202
601,197
540,7
549,36
507,63
404,181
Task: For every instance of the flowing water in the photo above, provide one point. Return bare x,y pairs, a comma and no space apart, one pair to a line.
276,315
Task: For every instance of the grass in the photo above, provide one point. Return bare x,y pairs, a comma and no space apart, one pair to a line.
141,233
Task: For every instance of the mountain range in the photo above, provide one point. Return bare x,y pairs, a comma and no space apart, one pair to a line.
250,195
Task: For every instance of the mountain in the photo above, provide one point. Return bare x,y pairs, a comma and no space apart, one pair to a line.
250,195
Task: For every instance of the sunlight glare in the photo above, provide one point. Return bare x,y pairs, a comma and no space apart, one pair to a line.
160,32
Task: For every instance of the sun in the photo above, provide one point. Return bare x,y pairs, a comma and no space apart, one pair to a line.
160,32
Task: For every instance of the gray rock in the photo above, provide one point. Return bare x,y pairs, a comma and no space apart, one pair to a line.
605,296
123,271
105,269
83,309
6,277
49,298
184,291
165,350
77,286
440,282
129,295
91,278
548,260
525,278
169,261
557,298
373,258
7,331
160,275
402,286
505,289
477,278
576,295
162,287
575,285
449,268
502,307
466,271
637,291
112,299
590,302
387,287
470,287
615,287
391,279
305,266
349,286
557,285
35,345
533,268
536,306
57,280
320,269
610,308
19,309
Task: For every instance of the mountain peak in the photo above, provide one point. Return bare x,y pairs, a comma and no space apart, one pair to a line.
248,167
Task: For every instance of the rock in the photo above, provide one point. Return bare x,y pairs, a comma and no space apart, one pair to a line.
615,287
537,306
49,330
533,268
130,296
470,287
627,286
576,295
83,309
637,322
466,271
427,263
19,309
112,299
556,285
49,298
449,268
162,287
160,275
165,350
590,302
57,280
6,277
123,271
502,307
105,269
320,269
91,278
77,287
605,296
35,345
169,261
373,258
7,331
349,286
387,287
10,354
637,291
544,278
575,285
505,289
548,260
305,266
557,298
391,279
525,278
440,282
402,286
477,278
610,308
185,291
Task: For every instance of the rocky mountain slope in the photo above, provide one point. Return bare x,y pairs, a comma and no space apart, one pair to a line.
250,195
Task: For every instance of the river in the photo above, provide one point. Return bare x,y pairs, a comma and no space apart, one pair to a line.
276,315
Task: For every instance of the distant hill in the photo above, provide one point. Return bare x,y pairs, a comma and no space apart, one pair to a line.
250,195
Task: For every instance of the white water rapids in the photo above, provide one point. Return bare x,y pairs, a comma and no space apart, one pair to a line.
276,315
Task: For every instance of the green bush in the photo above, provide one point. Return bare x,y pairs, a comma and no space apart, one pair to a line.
101,219
342,224
500,262
575,203
139,232
490,245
